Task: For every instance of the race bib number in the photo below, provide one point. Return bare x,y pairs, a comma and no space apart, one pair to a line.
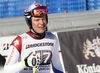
45,56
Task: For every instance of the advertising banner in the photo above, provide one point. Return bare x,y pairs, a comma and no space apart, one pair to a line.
4,50
81,50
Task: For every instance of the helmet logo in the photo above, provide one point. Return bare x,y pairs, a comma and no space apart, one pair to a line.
37,5
26,9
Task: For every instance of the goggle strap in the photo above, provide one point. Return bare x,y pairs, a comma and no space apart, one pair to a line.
27,13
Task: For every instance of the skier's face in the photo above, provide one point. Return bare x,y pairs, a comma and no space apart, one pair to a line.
39,24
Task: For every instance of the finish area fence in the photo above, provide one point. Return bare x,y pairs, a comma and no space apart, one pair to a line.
13,8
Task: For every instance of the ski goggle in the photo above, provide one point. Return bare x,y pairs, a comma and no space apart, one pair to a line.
38,11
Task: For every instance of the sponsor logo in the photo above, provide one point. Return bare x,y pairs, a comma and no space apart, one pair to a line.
91,48
6,46
10,56
41,67
44,67
84,68
39,45
25,37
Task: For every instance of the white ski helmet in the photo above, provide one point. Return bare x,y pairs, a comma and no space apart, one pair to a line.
34,9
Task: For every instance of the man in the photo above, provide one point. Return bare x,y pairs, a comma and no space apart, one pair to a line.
37,49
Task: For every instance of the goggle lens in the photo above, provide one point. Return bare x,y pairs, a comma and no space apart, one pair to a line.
39,10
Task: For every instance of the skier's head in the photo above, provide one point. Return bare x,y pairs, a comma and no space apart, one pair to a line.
36,18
